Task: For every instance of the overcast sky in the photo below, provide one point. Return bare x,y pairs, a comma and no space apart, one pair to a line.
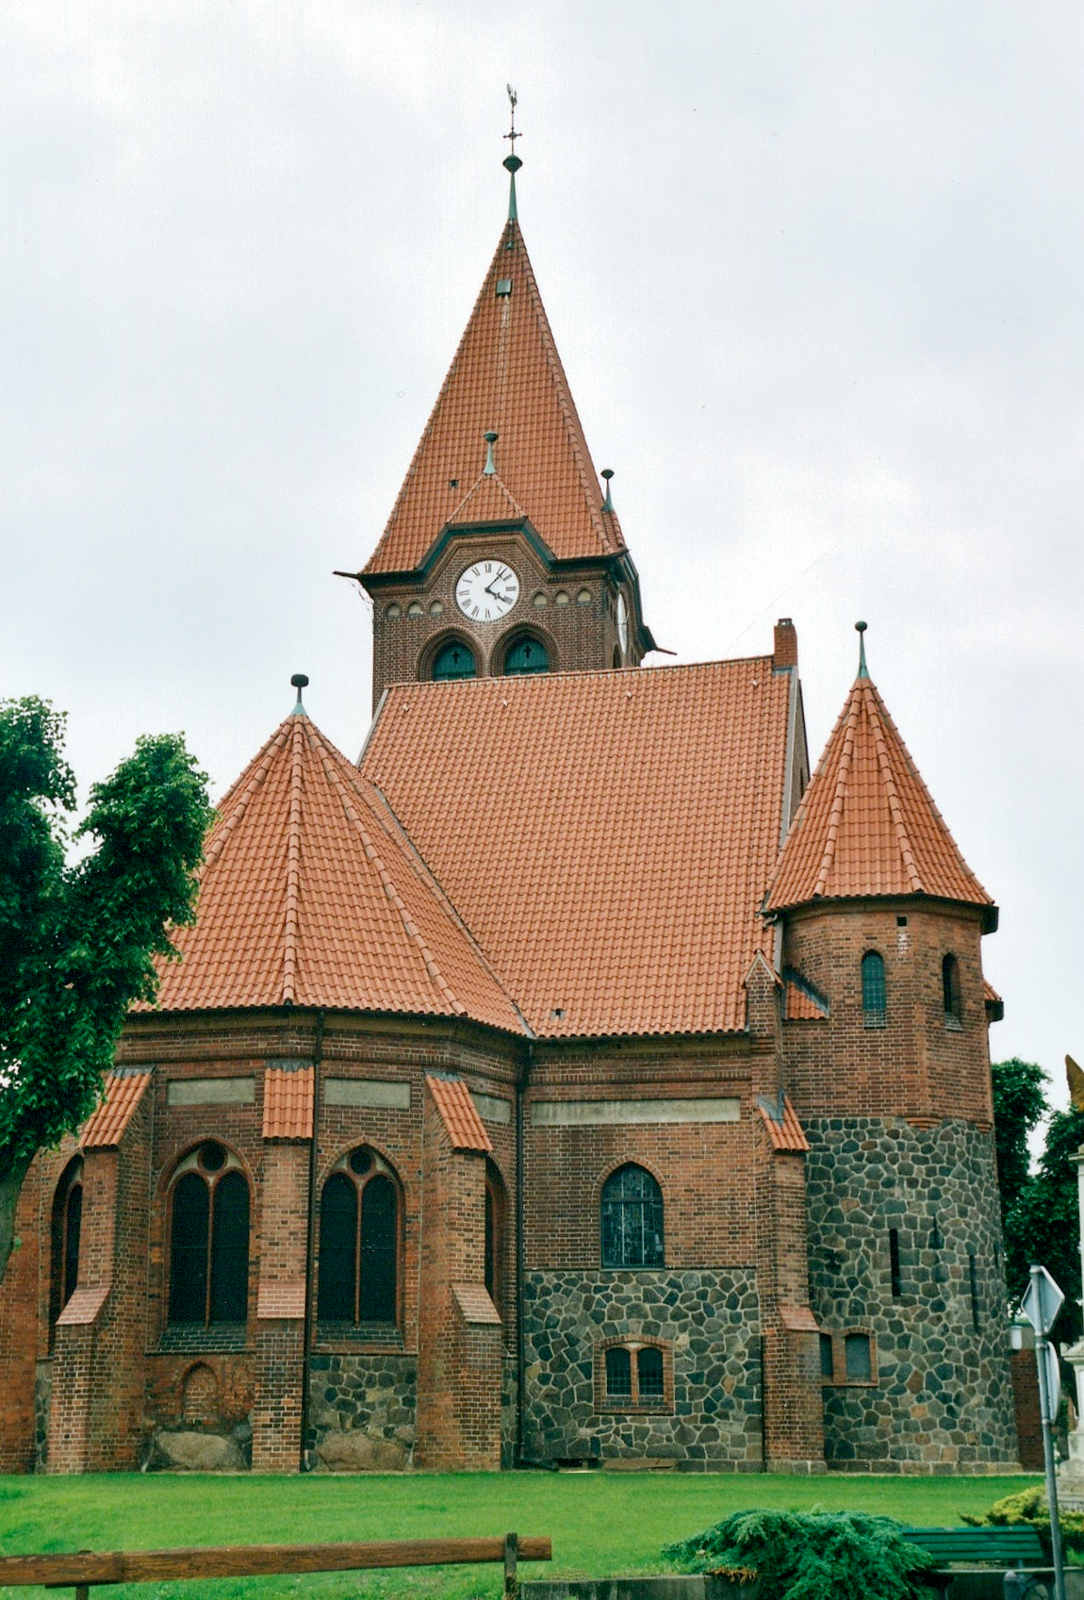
814,273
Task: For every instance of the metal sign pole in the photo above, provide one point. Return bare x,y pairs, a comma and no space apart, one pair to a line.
1047,1404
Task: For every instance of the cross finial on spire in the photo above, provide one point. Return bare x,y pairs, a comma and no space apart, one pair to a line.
511,162
860,629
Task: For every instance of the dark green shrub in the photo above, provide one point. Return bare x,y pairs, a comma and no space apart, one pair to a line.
1029,1509
815,1555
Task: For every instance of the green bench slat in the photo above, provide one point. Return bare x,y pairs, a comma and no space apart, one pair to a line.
977,1544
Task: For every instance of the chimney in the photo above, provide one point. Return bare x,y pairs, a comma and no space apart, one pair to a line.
785,645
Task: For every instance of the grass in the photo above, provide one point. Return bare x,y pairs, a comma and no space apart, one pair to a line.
600,1523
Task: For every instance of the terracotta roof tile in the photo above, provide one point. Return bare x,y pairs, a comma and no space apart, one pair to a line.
475,1304
802,1001
310,895
606,836
104,1129
867,825
459,1114
995,1005
287,1103
506,376
785,1135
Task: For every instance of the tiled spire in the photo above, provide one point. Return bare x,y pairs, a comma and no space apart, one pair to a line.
310,896
506,378
867,826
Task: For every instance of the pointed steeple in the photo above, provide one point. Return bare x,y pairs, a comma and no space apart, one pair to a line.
867,826
507,379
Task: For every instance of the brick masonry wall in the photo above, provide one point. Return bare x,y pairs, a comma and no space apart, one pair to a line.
18,1330
1029,1428
943,1398
708,1320
915,1065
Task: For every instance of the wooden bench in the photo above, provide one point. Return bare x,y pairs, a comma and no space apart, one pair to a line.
82,1570
1004,1547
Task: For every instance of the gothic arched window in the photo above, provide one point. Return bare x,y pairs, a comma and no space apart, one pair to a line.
67,1223
208,1254
873,989
631,1219
525,655
454,660
950,990
359,1242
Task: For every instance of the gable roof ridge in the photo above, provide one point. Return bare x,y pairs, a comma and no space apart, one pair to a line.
256,772
849,720
483,478
895,807
387,882
293,862
577,439
425,872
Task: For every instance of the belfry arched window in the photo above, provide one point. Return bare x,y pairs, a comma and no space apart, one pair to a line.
873,989
524,655
359,1242
631,1219
950,990
67,1222
209,1227
454,660
494,1233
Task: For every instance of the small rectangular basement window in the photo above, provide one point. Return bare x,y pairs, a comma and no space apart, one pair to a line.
848,1358
630,1376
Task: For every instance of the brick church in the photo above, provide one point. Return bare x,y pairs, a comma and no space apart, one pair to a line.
573,1078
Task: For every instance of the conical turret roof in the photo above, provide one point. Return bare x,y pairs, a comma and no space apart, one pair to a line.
867,826
506,378
310,895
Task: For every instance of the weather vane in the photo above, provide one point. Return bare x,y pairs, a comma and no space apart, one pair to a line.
512,135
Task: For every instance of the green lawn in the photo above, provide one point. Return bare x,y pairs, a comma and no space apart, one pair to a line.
600,1523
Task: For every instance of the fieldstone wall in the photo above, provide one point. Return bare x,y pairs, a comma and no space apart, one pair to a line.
943,1397
362,1411
709,1319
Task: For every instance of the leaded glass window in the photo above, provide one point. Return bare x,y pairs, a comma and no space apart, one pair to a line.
631,1219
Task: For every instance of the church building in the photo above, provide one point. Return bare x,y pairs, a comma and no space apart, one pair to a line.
574,1078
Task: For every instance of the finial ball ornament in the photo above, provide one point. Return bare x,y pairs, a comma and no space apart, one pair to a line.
860,627
299,681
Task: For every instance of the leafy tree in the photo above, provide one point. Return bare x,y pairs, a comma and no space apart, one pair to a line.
1019,1105
1045,1220
77,940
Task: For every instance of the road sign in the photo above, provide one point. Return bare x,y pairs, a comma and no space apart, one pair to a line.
1042,1302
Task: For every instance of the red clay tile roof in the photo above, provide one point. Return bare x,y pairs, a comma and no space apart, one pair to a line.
801,1005
785,1135
104,1129
287,1103
606,836
459,1114
506,376
309,895
867,826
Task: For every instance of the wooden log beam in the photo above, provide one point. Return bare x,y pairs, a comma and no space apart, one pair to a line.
256,1560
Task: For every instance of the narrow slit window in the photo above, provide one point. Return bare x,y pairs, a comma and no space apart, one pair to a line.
828,1369
950,990
873,989
894,1261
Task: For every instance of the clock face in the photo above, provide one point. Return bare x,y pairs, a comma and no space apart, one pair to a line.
487,590
622,623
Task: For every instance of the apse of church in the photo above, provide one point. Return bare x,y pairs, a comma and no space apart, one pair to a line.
664,1139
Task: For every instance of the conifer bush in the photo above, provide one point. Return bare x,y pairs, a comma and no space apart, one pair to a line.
815,1555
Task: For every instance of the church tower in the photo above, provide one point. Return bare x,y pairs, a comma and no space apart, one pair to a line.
503,554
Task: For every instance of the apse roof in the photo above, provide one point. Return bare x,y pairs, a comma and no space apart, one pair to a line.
867,826
310,895
606,836
506,377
